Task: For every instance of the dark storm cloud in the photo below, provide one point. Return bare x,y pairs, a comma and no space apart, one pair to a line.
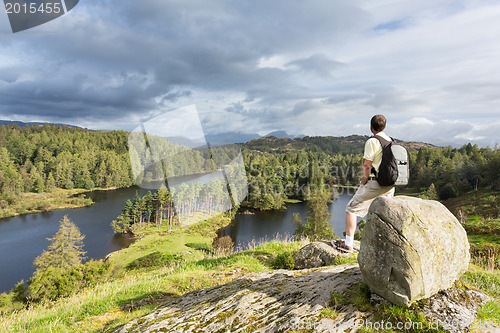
116,58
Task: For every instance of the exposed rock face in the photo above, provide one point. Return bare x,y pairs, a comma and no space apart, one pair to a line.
257,302
319,253
454,309
411,249
284,300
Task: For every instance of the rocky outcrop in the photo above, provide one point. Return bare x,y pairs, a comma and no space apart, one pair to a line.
320,253
327,299
411,249
454,309
257,302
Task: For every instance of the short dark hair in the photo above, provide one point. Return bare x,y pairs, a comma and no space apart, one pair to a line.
378,123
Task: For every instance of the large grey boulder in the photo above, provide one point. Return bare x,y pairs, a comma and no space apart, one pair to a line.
411,249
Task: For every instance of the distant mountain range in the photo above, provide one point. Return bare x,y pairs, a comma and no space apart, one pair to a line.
213,139
238,137
277,141
22,124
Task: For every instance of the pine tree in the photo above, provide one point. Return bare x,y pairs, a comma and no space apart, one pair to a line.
37,180
149,205
431,193
318,218
65,250
124,221
51,183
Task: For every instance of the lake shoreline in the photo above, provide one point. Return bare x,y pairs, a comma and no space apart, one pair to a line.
34,203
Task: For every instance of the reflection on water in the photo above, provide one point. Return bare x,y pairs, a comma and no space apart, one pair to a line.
262,226
122,240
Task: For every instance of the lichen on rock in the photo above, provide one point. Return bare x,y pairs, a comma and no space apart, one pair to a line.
411,249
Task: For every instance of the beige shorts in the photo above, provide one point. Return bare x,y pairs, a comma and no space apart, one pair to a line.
364,196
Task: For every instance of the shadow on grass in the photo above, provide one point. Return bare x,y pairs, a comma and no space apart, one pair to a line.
138,302
201,247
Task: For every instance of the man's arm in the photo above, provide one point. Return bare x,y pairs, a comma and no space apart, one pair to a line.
367,168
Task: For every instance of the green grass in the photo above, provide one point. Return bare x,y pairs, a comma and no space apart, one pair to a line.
479,212
483,279
484,239
292,201
478,225
487,281
133,286
489,312
191,243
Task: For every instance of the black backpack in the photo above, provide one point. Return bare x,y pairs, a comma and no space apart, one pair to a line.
394,168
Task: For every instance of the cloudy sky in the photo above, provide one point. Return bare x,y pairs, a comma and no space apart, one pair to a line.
318,67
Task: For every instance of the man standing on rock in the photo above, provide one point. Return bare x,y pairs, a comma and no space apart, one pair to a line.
369,188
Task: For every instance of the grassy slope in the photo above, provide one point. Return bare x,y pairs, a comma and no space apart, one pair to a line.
484,203
479,212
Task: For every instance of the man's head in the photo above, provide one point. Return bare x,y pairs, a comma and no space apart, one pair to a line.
377,123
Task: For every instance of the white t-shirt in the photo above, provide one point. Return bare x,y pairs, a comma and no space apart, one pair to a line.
373,150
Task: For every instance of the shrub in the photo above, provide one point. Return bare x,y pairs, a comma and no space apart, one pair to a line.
358,234
53,283
7,213
284,260
19,292
43,206
5,300
223,245
89,185
8,304
69,185
22,210
448,191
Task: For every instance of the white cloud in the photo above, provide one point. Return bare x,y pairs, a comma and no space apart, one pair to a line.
446,132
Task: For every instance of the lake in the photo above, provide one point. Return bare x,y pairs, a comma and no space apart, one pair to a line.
23,238
264,226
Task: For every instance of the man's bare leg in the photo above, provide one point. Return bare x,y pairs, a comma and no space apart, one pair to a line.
350,228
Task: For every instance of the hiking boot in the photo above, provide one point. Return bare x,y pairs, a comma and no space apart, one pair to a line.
340,245
345,248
